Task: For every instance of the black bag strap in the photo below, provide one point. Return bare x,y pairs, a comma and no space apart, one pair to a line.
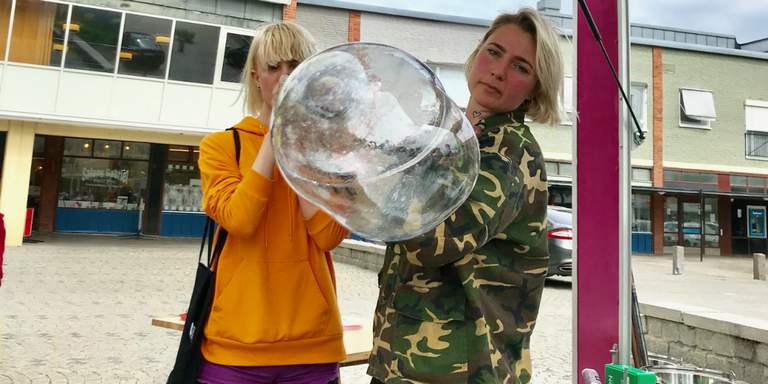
210,225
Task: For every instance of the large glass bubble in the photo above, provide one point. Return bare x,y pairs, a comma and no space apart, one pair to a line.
366,132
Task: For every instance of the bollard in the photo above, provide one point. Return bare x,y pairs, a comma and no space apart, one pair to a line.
758,266
677,260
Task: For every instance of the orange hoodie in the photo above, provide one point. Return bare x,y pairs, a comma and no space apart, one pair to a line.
274,301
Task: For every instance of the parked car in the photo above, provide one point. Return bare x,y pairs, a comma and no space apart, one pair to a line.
560,234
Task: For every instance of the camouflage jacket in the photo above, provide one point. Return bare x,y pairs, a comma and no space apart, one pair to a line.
458,304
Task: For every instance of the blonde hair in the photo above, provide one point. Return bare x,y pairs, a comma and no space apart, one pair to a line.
273,43
544,105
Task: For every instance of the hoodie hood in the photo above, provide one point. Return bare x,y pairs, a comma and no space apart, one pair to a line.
253,125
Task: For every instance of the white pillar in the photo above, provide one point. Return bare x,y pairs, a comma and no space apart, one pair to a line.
14,186
758,264
678,259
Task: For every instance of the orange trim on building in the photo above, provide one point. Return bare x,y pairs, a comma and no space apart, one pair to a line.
657,200
353,33
289,11
658,118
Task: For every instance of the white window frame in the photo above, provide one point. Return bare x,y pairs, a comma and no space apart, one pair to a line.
703,121
753,108
642,112
224,31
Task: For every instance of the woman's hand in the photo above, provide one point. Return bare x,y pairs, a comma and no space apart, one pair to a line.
265,160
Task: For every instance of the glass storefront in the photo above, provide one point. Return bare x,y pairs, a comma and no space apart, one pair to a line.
683,220
103,174
182,181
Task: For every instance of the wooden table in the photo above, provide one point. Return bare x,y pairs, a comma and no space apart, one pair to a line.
357,339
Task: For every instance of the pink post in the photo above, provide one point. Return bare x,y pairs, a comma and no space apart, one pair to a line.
597,191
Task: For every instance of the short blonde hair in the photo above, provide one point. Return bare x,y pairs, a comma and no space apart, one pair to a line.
273,43
544,106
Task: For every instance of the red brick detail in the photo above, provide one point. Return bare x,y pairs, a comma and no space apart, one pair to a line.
724,182
658,118
353,29
289,11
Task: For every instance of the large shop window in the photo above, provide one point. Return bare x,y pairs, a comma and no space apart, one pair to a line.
194,53
182,190
38,32
641,213
93,36
99,174
144,50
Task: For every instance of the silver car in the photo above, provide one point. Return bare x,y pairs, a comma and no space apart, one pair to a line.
560,234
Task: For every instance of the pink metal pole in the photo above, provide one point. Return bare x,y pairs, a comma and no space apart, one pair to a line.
596,191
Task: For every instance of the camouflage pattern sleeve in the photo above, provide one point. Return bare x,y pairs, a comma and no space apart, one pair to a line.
492,205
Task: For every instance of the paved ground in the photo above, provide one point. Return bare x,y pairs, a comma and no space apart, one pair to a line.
77,309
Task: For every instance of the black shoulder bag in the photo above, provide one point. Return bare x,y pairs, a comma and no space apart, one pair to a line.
189,358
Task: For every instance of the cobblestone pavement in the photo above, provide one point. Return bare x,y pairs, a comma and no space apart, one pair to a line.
77,309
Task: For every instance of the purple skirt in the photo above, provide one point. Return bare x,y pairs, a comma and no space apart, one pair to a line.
211,373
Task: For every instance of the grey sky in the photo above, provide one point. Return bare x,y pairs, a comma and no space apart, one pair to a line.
746,19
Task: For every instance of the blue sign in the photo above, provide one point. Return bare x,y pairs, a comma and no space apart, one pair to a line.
756,222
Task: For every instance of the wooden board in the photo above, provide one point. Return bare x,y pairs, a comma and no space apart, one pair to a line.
357,341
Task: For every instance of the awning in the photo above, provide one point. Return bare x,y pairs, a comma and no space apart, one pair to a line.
698,104
756,115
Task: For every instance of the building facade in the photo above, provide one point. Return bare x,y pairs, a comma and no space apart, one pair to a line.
102,109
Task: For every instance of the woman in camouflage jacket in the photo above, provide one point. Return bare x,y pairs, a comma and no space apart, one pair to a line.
458,304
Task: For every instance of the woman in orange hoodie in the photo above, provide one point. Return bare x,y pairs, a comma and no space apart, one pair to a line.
274,317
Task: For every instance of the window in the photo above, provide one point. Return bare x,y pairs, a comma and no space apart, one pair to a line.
756,120
144,48
182,190
641,213
102,174
194,53
639,102
235,54
697,108
641,175
556,168
107,149
136,151
102,183
690,180
670,221
454,81
78,147
749,184
566,101
38,33
92,42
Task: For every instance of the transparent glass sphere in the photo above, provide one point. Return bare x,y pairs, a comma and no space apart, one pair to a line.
367,133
